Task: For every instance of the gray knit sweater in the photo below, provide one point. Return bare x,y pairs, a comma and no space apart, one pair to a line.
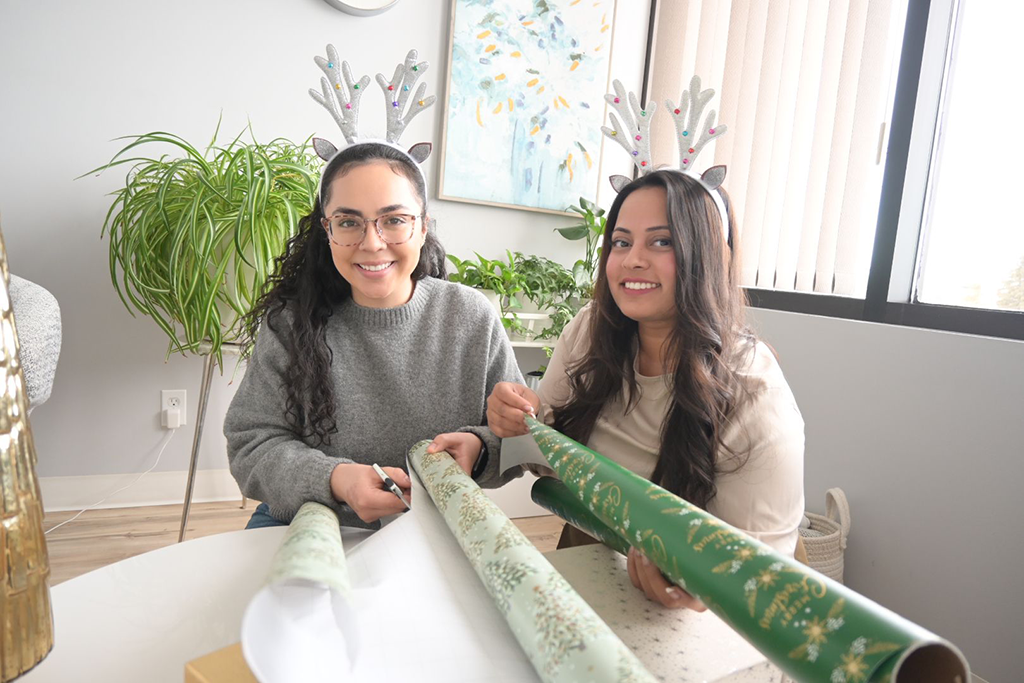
400,375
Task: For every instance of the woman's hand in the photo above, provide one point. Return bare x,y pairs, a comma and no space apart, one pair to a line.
507,407
648,578
359,487
464,447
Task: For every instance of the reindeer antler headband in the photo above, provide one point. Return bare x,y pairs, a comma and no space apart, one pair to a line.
633,134
340,95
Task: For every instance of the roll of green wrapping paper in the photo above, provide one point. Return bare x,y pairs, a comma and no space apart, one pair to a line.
552,495
312,550
563,637
810,626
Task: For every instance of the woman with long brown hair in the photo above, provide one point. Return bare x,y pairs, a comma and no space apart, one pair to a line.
661,374
360,348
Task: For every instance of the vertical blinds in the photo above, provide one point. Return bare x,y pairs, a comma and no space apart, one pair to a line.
805,87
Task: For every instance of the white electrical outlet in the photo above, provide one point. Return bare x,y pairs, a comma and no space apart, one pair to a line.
172,399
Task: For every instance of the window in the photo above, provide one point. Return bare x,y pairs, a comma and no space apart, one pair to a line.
806,88
863,173
973,247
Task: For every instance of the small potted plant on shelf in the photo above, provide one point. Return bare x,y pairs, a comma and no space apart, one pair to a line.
499,282
547,288
535,296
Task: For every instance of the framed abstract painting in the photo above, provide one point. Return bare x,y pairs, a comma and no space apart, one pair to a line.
525,102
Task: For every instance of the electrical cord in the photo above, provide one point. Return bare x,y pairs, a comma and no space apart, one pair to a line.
99,502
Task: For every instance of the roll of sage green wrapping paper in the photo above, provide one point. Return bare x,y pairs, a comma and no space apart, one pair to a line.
808,625
312,551
565,640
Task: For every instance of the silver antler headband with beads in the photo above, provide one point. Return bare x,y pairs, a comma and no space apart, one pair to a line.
396,93
691,135
633,133
340,95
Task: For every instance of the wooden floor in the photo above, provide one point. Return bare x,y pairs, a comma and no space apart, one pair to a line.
102,537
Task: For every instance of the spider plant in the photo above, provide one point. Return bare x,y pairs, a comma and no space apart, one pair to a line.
193,235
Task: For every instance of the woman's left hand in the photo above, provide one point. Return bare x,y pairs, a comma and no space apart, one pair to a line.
464,447
646,576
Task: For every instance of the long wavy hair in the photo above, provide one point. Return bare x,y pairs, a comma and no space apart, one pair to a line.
707,334
306,289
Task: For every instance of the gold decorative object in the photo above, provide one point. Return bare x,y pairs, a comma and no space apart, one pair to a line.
25,612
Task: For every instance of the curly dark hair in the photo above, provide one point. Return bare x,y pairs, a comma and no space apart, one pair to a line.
306,289
708,331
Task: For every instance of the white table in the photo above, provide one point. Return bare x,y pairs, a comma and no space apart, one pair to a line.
143,618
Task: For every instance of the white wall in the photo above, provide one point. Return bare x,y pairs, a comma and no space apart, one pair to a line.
75,78
924,431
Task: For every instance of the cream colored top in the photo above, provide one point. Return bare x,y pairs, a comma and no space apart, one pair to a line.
765,497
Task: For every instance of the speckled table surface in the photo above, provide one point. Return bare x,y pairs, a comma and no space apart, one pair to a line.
675,645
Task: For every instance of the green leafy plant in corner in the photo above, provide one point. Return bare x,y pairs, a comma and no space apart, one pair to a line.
590,228
496,275
555,289
543,281
194,235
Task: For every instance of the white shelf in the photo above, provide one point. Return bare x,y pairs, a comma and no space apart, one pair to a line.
532,344
528,316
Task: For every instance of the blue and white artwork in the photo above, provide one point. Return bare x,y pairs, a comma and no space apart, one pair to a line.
526,101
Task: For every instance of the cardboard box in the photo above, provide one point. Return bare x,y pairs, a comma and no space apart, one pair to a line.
223,666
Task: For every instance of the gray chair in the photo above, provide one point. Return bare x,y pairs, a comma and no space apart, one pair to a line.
37,318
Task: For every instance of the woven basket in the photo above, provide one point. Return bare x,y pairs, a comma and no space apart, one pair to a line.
825,540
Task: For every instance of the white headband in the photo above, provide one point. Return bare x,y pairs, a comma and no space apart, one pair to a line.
340,95
633,134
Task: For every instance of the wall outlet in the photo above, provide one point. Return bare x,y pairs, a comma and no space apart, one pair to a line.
172,399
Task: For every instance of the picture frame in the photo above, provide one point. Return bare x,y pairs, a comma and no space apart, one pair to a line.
524,102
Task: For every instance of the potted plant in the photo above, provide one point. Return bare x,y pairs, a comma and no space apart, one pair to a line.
536,296
543,281
498,280
590,228
548,288
193,236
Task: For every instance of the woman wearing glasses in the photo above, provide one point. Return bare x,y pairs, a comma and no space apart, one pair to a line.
363,349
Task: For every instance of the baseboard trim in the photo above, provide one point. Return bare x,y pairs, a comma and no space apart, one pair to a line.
168,488
155,488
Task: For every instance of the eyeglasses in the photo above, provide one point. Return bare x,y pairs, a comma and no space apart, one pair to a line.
346,230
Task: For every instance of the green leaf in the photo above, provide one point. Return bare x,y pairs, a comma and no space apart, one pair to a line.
576,232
